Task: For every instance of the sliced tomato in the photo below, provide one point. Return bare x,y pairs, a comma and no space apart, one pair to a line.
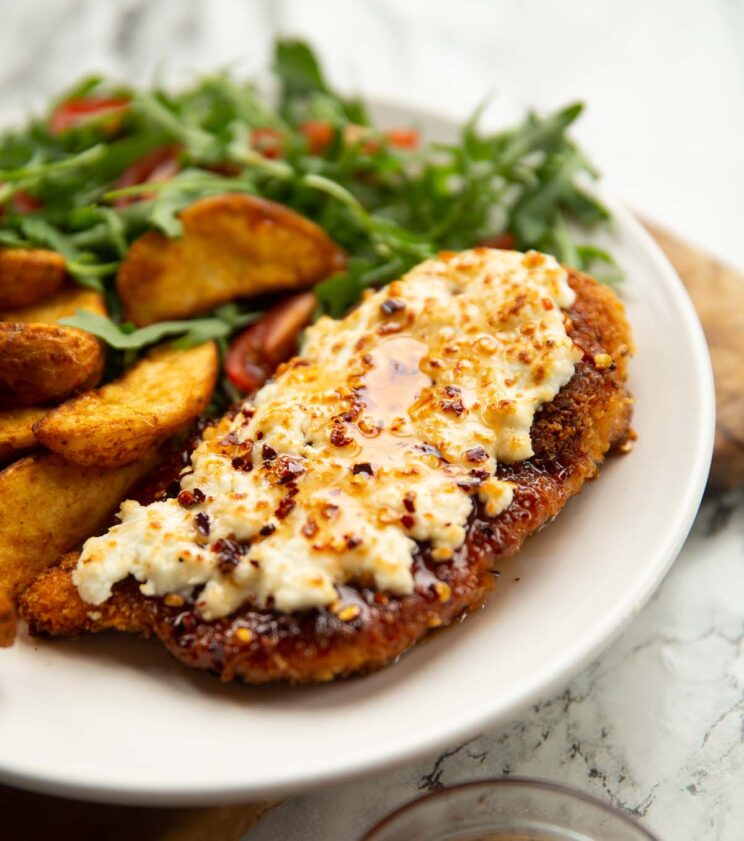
318,134
505,241
403,138
74,112
267,141
24,202
257,350
159,164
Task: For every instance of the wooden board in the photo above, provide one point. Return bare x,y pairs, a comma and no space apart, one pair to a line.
718,294
36,817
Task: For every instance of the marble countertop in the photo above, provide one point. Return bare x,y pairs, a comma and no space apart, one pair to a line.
656,724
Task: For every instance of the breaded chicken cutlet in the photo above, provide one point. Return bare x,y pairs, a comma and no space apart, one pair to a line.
263,625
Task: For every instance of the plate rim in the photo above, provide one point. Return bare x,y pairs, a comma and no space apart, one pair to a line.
574,659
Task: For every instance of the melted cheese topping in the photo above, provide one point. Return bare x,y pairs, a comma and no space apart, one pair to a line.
377,436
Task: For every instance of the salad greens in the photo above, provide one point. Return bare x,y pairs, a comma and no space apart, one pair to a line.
389,200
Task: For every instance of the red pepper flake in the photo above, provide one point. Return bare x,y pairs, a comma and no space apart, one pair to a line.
409,503
392,305
429,450
190,498
286,504
363,467
268,453
229,553
287,469
547,304
185,622
242,463
476,455
339,438
266,530
408,521
454,404
309,528
353,541
480,475
202,523
259,436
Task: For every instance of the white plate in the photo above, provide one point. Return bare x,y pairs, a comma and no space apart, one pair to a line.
115,718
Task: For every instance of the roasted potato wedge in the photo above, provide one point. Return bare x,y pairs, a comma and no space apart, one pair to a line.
48,506
28,275
16,430
233,246
119,422
43,363
8,621
65,302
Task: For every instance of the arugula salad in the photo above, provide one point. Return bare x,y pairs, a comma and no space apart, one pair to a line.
109,162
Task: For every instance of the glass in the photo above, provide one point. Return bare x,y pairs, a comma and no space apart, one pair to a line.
508,809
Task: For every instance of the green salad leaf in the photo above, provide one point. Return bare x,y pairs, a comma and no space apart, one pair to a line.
190,332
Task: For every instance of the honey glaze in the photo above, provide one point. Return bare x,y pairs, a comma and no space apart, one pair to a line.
392,383
380,436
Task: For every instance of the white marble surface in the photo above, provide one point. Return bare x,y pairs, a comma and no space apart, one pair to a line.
655,725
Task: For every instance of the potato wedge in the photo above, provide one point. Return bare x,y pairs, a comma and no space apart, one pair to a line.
117,423
43,363
8,621
233,246
48,506
16,430
65,302
28,275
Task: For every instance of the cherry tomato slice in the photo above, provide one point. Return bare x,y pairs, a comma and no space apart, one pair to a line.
74,112
267,141
258,349
505,241
22,202
318,134
159,164
403,138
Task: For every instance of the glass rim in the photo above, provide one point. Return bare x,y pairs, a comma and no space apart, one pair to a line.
506,782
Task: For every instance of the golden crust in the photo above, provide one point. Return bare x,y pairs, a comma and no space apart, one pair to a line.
367,629
8,621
